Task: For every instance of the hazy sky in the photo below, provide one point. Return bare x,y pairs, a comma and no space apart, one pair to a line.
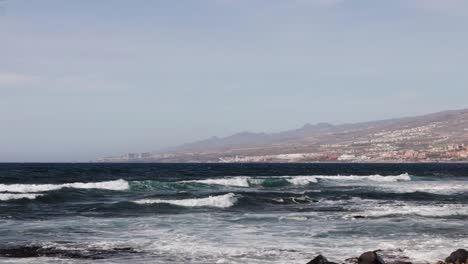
84,79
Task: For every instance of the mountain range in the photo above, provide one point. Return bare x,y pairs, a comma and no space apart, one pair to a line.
428,137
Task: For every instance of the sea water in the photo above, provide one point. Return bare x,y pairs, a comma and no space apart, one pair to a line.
229,213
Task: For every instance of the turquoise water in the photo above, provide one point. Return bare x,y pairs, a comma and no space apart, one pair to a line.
229,213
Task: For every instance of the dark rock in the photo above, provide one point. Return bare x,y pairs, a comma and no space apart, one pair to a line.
400,262
320,260
358,216
458,257
370,258
34,251
21,252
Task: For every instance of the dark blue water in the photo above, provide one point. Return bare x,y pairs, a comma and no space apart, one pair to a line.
229,213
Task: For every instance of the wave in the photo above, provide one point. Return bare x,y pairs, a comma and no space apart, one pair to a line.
17,196
374,178
245,181
450,187
117,185
302,180
442,210
220,201
241,181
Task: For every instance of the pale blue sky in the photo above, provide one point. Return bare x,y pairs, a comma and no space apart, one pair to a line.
84,79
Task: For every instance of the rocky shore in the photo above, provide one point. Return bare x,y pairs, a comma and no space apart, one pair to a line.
459,256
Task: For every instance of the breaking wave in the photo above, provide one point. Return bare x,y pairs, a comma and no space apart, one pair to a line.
17,196
244,181
374,178
442,210
220,201
117,185
445,188
302,180
241,181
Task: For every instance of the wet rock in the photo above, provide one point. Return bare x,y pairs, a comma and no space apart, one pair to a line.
320,260
37,251
21,252
358,216
34,251
370,257
458,257
400,262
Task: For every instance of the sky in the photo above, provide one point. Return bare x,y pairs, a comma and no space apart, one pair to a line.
85,79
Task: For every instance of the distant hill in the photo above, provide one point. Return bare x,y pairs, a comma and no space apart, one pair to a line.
428,137
249,138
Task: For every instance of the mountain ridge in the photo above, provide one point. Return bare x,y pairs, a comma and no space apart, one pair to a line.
308,129
389,137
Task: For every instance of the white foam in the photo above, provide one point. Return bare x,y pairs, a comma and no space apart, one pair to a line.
245,181
117,185
302,180
441,210
241,181
293,218
436,187
16,196
306,180
374,178
184,238
220,201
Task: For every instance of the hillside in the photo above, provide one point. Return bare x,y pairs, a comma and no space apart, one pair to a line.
435,137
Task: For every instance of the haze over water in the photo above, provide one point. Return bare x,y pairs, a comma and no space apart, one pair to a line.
83,80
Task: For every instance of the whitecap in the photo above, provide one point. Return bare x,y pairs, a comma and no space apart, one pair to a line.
374,178
117,185
16,196
245,181
308,179
435,187
241,181
302,180
293,218
220,201
442,210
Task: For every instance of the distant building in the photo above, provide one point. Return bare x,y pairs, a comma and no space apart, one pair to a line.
132,156
346,157
146,155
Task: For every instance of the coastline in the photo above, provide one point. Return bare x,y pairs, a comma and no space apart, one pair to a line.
459,256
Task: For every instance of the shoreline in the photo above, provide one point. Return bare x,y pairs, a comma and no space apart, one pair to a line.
459,256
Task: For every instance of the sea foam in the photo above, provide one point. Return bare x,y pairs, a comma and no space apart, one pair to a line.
306,180
373,178
302,180
435,187
437,210
220,201
117,185
241,181
245,181
16,196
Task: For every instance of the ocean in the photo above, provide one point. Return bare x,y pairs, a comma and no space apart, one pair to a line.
229,213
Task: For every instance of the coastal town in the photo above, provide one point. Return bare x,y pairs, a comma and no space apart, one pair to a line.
336,153
439,137
448,153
